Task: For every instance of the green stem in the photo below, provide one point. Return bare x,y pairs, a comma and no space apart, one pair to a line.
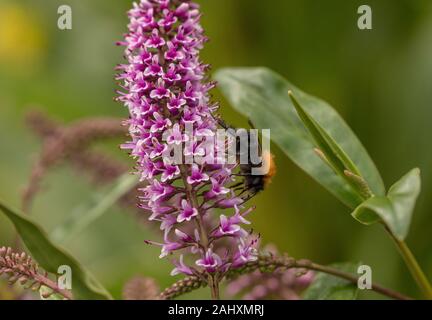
214,287
414,267
269,264
354,279
53,286
213,282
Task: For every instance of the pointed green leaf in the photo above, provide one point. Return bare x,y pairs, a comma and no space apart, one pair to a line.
332,153
328,287
335,154
262,95
395,209
51,257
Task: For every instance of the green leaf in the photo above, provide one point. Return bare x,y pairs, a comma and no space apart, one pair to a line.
328,287
395,209
332,154
85,215
50,257
338,158
262,95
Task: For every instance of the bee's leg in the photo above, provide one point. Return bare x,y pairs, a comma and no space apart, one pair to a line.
237,185
218,119
239,189
247,198
251,192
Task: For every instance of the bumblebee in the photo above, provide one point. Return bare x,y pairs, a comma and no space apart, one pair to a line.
254,181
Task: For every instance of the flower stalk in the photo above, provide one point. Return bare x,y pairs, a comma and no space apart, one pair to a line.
212,281
269,264
166,91
282,284
20,268
413,266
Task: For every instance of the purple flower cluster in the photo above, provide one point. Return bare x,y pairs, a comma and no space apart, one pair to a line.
166,90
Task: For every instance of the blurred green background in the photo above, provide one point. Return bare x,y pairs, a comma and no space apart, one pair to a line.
379,80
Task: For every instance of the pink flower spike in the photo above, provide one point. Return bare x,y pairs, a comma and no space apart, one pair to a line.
175,103
180,267
190,92
176,137
230,202
210,261
190,116
194,149
171,75
183,236
197,175
187,212
182,11
169,247
217,189
166,90
155,41
145,57
160,123
239,217
169,172
227,227
245,253
173,54
168,20
168,221
160,92
158,190
158,148
157,210
154,69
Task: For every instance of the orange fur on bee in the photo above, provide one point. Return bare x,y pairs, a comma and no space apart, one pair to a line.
269,158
